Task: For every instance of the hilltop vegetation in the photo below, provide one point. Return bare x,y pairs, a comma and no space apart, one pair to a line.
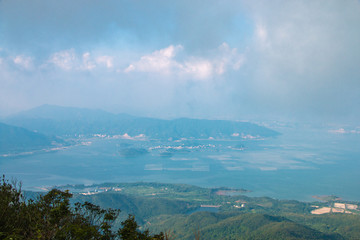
141,207
242,226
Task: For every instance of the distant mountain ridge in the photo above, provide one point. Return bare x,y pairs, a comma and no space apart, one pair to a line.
18,139
60,113
60,121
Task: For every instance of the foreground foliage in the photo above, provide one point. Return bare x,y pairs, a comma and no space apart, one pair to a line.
51,216
159,207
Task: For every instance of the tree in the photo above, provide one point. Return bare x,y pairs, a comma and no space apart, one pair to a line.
130,230
13,219
51,216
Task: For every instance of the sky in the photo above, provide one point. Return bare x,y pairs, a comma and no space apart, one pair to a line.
295,60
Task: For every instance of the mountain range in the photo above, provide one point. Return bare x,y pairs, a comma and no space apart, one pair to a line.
18,139
67,121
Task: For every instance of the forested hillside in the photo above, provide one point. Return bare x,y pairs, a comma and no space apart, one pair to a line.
184,210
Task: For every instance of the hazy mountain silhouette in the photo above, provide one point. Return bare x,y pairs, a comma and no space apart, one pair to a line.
58,120
16,139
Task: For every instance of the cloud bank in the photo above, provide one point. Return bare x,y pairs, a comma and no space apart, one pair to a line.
164,62
234,59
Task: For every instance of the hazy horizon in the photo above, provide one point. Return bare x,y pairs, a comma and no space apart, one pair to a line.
271,122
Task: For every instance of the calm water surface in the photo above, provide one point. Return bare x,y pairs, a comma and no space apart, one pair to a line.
295,165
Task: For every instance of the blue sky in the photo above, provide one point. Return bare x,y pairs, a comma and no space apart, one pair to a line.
203,59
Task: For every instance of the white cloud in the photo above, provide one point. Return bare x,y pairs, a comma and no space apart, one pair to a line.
88,64
228,57
199,69
160,61
108,61
261,36
68,60
23,61
130,68
261,32
65,60
164,62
